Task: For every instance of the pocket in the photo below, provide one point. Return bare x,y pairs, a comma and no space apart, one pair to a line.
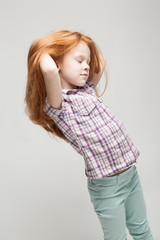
83,107
85,110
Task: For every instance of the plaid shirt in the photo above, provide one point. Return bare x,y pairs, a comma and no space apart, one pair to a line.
93,131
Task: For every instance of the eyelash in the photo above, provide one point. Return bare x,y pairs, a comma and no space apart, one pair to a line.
81,61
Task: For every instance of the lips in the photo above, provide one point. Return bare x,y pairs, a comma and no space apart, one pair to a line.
84,75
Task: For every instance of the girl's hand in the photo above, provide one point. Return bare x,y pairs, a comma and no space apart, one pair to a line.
96,77
47,63
52,81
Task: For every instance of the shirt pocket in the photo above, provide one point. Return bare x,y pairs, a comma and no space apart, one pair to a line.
85,111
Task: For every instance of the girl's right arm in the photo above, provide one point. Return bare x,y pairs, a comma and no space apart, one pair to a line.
52,81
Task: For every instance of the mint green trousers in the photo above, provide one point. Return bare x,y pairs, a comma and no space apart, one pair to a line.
119,203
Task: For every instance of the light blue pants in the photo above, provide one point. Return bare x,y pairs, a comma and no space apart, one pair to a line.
118,202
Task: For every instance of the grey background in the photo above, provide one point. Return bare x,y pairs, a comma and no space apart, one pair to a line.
43,188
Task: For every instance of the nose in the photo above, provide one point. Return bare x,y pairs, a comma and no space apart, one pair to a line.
86,66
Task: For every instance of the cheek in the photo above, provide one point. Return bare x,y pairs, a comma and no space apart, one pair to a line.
75,68
72,68
69,65
67,68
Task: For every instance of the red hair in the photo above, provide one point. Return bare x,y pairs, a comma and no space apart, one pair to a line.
56,45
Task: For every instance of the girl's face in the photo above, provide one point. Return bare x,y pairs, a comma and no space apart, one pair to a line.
74,64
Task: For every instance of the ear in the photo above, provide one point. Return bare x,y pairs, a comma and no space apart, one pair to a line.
59,64
58,67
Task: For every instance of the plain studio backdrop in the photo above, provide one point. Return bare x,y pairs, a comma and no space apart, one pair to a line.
43,187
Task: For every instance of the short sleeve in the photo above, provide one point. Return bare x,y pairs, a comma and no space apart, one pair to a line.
51,111
58,116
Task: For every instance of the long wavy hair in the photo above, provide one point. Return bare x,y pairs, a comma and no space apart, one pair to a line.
56,45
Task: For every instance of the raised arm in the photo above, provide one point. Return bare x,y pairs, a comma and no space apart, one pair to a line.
96,78
52,81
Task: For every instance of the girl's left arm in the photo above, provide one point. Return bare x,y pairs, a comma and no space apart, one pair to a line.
97,77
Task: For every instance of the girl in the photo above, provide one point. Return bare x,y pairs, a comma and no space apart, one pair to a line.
64,69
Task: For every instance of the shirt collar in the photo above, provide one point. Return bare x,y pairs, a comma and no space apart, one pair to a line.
69,91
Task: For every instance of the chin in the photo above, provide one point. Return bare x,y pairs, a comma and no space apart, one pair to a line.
81,85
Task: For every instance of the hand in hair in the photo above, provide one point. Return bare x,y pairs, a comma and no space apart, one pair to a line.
47,63
96,78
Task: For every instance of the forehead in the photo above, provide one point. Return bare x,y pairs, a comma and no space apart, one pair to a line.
80,49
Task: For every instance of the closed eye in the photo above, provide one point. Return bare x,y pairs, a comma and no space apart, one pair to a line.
79,61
